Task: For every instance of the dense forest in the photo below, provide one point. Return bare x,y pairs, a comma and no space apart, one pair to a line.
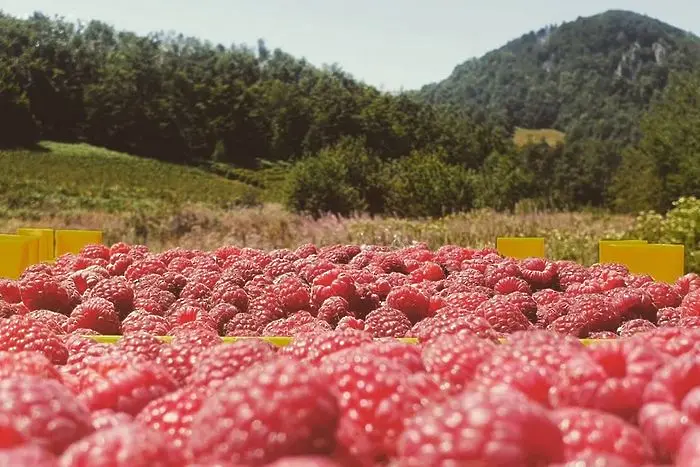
348,146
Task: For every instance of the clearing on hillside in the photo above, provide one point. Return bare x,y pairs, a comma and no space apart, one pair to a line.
552,137
57,177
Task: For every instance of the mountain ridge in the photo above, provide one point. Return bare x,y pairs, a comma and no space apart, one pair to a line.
592,76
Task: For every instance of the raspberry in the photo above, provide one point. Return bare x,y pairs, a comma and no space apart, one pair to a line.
28,364
124,446
313,348
689,322
221,362
467,301
172,414
634,304
179,360
10,291
56,321
230,294
503,315
23,333
300,322
141,343
27,455
6,310
196,291
610,377
140,320
662,295
144,267
266,308
163,298
668,317
586,429
635,326
349,322
122,384
269,411
689,451
538,272
190,313
333,309
673,342
306,250
427,271
602,335
106,418
387,322
407,355
686,284
118,291
410,301
44,292
243,325
671,403
511,284
431,328
546,296
97,314
524,303
454,359
43,411
527,378
505,429
374,401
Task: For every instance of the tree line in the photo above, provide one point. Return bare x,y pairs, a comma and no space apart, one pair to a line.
352,147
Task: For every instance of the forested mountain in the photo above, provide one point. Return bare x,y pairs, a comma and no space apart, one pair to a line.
182,99
592,77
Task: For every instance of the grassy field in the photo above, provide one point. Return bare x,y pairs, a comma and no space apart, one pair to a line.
163,205
57,178
523,136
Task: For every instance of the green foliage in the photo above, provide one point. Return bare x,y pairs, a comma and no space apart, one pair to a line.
64,177
592,77
680,225
424,185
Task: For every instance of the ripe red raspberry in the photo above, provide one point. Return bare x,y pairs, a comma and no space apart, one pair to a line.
191,313
333,309
44,292
468,301
180,361
503,315
196,291
662,295
671,341
411,301
243,325
306,250
592,430
95,251
688,283
279,267
538,272
122,383
172,414
221,362
405,354
431,328
515,372
349,322
222,314
387,322
511,284
10,291
332,283
689,322
454,359
194,333
106,418
524,303
511,431
43,411
689,451
23,333
374,400
27,455
298,323
230,294
635,326
97,314
427,271
610,377
266,308
140,343
668,317
313,348
124,446
143,267
633,304
86,279
118,264
546,296
56,321
6,310
140,320
118,291
163,298
672,403
28,364
690,304
269,411
602,335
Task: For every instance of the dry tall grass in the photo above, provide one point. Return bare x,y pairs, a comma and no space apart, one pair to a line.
569,235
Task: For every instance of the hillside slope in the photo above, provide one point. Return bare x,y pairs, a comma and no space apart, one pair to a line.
590,77
56,177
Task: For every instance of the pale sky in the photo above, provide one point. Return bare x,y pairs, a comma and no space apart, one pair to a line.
386,43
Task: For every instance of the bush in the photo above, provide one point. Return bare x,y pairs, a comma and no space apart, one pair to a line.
424,185
680,225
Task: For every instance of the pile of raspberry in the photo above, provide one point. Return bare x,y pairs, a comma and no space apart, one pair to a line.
498,375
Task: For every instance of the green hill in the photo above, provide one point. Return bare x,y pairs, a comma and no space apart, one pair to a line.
57,177
590,77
